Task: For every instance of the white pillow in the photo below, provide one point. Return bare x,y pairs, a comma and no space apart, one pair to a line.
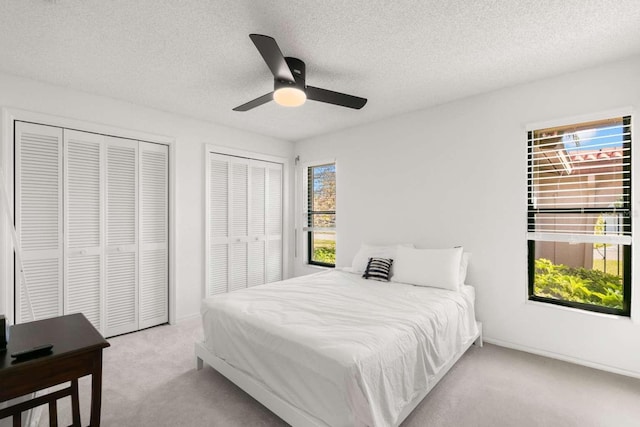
438,268
361,259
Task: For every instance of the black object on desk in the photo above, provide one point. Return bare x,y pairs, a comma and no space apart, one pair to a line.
33,352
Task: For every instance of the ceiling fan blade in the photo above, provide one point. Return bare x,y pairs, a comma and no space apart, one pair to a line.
337,98
272,55
255,103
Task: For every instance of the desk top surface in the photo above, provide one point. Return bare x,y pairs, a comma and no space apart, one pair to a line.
70,334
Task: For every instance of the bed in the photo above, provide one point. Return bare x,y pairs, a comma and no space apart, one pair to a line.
334,349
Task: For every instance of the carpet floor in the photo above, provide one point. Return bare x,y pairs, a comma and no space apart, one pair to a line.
149,379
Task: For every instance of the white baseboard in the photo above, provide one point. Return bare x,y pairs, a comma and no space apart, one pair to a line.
562,357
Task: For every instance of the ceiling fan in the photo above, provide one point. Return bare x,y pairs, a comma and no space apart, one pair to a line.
289,83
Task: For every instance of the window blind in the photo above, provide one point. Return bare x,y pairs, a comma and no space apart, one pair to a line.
579,182
321,199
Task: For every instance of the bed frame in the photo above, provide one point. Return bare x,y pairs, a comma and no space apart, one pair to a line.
291,414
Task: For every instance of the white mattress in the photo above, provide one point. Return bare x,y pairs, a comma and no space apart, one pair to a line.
348,351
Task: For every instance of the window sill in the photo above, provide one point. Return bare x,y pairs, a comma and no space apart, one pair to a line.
319,267
578,310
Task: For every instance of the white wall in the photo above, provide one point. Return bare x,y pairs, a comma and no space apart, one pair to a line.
456,175
190,137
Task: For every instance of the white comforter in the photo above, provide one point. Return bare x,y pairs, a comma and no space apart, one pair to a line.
348,351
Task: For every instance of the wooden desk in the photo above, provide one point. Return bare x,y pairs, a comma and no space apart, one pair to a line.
77,351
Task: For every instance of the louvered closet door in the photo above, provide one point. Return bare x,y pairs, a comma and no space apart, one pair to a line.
84,222
121,287
218,224
257,224
244,222
239,215
274,223
154,239
38,216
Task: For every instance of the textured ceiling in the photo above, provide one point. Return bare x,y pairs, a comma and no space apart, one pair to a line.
194,57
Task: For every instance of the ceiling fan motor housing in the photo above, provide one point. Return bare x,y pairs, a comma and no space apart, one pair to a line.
298,69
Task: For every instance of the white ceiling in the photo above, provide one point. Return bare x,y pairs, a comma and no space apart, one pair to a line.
195,58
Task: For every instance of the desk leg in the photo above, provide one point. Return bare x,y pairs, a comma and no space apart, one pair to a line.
75,404
96,390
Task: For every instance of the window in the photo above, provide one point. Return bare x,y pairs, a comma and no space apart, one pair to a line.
321,215
579,215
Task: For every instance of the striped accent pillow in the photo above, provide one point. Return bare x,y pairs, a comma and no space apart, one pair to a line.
378,269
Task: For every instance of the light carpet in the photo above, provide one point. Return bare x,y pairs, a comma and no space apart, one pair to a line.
149,379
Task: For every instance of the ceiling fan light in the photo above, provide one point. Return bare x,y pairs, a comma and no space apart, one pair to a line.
289,97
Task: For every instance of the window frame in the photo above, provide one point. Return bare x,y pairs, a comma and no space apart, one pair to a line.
307,212
627,222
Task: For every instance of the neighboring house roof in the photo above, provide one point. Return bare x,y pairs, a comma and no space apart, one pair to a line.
579,162
591,155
